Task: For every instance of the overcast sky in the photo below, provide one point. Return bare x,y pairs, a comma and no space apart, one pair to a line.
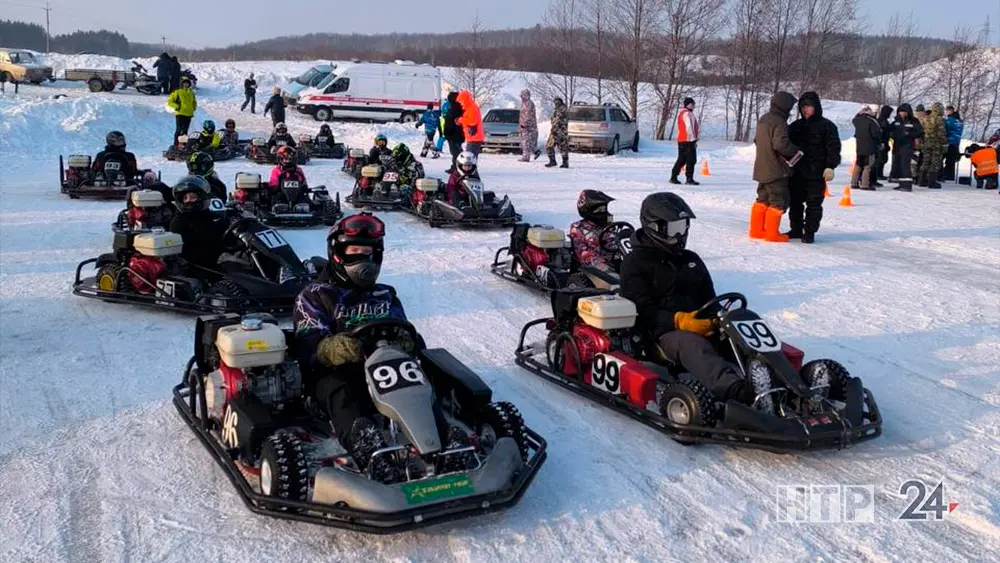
215,23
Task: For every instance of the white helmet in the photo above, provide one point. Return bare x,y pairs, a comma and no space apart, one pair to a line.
467,163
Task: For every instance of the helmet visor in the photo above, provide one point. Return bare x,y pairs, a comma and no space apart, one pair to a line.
677,228
367,226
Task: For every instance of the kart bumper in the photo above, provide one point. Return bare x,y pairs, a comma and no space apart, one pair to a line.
375,201
97,192
344,500
501,214
742,426
335,152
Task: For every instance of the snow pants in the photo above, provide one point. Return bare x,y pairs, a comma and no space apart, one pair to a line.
345,398
529,143
183,122
901,167
950,163
807,196
698,356
862,176
251,100
687,157
774,194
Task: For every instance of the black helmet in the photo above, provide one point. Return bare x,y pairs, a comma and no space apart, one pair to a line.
230,124
115,139
191,184
201,164
665,218
281,129
208,126
592,205
360,229
324,129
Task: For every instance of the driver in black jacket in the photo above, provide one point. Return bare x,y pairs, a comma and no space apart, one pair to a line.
346,295
115,150
668,283
201,230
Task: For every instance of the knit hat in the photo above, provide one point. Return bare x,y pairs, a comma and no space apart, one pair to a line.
688,101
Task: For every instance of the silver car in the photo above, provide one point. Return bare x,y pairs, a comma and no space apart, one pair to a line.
601,128
500,127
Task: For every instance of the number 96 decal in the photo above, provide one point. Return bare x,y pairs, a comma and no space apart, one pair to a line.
605,373
757,336
396,374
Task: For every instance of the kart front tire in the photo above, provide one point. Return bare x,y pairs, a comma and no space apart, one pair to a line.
688,403
284,470
502,420
826,372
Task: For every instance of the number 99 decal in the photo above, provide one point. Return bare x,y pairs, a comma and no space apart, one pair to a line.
605,373
757,336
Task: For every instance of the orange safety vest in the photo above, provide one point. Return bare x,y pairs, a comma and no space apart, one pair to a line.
687,126
471,119
985,161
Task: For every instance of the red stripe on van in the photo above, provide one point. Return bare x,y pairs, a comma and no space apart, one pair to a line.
350,99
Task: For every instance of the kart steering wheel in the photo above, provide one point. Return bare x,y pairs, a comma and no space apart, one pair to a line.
618,229
717,306
387,329
236,224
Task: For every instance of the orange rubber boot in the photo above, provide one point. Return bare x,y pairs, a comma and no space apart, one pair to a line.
772,225
757,213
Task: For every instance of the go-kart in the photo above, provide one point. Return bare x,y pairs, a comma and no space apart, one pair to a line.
77,179
320,147
591,347
261,273
260,153
146,210
242,395
542,258
477,207
356,159
185,146
287,205
379,187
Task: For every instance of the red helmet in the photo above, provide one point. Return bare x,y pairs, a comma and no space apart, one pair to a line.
286,156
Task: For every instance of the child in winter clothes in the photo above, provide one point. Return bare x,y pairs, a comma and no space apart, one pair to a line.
588,247
431,120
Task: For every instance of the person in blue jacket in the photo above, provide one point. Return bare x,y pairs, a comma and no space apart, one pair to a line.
431,121
953,126
445,106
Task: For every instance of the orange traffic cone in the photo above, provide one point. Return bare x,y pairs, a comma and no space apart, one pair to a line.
845,200
704,168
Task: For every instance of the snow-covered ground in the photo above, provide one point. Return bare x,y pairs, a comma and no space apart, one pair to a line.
901,288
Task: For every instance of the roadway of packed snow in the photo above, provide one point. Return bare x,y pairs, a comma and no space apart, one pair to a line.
902,288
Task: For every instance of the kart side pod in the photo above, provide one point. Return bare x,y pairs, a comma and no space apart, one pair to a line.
607,312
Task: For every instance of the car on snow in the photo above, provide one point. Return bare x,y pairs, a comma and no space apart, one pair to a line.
601,128
19,65
502,134
308,79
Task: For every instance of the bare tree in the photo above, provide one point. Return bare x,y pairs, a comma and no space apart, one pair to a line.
784,25
562,38
632,23
746,58
595,20
902,82
822,38
483,83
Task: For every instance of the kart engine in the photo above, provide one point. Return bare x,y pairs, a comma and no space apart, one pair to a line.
143,271
272,385
604,323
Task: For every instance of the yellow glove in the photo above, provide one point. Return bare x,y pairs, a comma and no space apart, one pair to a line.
687,322
828,174
338,349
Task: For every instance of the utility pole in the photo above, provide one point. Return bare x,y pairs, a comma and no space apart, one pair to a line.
48,32
163,38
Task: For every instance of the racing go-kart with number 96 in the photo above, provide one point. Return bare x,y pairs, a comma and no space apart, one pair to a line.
242,395
591,347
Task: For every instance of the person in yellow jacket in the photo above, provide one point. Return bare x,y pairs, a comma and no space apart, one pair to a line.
184,104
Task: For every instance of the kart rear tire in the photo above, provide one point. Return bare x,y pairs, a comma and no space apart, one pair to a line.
827,372
502,420
284,470
689,403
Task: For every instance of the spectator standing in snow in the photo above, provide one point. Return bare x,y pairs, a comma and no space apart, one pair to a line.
162,66
250,94
184,103
819,140
452,129
275,105
175,74
954,127
431,121
771,169
445,105
906,133
933,147
868,139
558,134
471,122
687,143
527,126
882,156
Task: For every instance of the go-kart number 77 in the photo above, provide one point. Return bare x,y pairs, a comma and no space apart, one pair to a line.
757,336
396,374
605,373
271,239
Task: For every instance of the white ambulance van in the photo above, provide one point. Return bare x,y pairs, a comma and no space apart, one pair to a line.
373,91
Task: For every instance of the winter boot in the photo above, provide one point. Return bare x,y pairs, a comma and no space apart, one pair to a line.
922,180
808,238
674,180
364,440
552,161
692,182
772,225
794,232
934,185
538,153
565,160
757,213
436,154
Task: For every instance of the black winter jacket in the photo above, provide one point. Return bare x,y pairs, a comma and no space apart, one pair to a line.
249,86
275,105
162,66
663,283
883,122
287,139
201,232
905,131
453,131
818,139
129,167
867,134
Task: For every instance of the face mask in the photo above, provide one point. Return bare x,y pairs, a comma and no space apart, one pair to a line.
363,274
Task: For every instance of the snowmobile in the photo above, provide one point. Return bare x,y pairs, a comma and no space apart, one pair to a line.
288,205
242,395
541,257
480,208
261,154
378,188
143,82
261,274
77,179
355,161
317,147
592,348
